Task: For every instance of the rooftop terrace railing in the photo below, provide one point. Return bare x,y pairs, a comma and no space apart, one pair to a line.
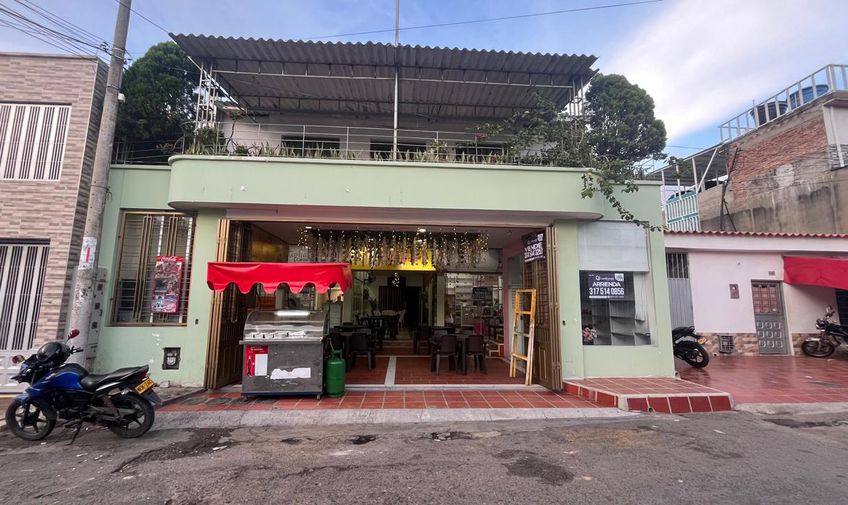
816,85
354,143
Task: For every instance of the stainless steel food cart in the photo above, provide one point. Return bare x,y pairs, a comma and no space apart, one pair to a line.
283,352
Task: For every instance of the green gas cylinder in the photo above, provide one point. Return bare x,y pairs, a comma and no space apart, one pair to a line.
334,374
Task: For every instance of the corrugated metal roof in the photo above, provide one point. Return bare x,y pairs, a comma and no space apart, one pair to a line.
712,160
758,234
269,74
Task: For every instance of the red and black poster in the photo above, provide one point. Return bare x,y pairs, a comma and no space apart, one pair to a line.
167,279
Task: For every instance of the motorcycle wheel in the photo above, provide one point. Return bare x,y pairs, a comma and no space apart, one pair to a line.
27,421
818,349
694,354
135,424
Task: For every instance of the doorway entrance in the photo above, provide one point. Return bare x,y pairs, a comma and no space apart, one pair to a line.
769,317
405,306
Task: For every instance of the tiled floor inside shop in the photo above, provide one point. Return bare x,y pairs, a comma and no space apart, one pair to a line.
775,379
398,365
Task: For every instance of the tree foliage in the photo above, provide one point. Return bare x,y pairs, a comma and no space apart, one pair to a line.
613,137
159,98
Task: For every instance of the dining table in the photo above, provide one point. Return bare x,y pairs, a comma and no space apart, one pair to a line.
461,340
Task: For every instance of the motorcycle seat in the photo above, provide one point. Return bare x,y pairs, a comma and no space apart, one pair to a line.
92,382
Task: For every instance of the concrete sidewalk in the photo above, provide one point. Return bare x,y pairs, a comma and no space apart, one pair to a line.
325,417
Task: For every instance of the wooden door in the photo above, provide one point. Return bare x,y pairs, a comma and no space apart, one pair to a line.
541,276
229,310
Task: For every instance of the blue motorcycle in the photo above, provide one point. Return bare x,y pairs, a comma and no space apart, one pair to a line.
122,400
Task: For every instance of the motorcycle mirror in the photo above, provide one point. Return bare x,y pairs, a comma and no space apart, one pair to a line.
18,359
73,334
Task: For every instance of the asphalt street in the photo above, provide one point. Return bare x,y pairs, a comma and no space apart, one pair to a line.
732,458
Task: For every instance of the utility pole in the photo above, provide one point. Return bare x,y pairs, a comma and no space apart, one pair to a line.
87,269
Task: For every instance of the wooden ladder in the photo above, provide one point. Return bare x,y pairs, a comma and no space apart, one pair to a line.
518,334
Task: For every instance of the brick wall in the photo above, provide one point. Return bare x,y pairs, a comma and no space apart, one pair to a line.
54,210
745,344
781,180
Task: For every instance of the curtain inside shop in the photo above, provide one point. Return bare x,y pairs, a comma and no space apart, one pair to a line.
616,294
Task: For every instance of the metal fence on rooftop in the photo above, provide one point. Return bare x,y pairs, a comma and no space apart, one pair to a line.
812,87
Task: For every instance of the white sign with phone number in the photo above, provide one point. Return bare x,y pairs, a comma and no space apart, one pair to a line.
606,285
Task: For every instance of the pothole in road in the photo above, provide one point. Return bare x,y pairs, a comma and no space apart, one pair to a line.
792,423
363,439
539,469
202,441
450,435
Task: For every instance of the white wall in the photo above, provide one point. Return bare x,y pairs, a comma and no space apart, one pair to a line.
711,274
804,304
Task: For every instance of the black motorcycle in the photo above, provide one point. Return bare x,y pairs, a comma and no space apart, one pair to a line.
832,336
688,346
122,400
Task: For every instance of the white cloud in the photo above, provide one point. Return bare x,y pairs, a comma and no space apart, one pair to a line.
704,61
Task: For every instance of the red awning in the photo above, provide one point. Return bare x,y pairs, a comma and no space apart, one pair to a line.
271,275
828,272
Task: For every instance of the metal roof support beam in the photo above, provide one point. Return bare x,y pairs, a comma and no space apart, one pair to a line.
694,175
340,101
511,74
395,106
415,79
706,170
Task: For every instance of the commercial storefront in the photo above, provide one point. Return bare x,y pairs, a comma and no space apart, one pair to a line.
592,271
377,156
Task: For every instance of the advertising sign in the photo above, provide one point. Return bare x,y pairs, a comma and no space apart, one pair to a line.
481,294
606,285
167,279
534,247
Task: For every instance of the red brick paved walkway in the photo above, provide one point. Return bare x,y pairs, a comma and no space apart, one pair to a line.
658,394
774,379
216,401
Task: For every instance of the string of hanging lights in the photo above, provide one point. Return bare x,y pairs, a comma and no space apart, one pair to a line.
384,248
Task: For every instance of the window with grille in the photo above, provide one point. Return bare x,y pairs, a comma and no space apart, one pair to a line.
22,269
32,141
677,265
151,244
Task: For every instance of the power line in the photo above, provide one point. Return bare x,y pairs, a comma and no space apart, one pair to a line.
486,20
28,25
142,16
33,34
63,24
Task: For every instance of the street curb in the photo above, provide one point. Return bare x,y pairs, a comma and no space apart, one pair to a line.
256,418
792,408
181,396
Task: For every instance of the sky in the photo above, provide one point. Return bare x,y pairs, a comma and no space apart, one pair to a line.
703,61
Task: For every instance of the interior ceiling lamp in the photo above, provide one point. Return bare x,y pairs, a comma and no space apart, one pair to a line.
384,248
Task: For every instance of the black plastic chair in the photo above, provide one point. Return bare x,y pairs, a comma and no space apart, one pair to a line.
422,334
392,326
361,345
475,346
447,348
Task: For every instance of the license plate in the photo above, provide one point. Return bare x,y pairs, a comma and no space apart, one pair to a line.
146,384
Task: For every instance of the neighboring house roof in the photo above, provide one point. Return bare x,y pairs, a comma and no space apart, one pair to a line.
304,76
758,234
827,244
